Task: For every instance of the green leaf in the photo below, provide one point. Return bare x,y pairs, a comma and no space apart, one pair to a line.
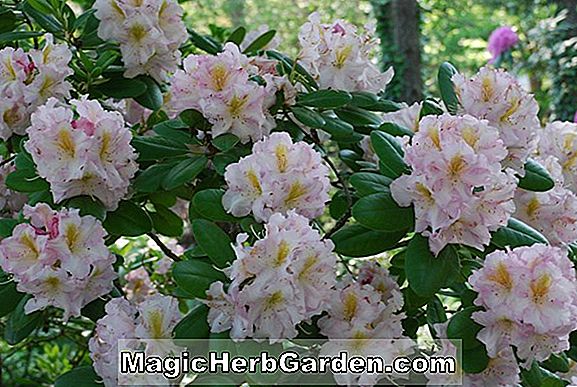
260,42
205,43
225,141
88,206
358,117
128,220
516,234
120,88
435,312
79,377
327,99
390,154
430,107
395,129
462,327
151,178
8,20
214,380
364,99
426,273
194,325
26,180
42,18
337,128
385,106
536,177
447,88
292,69
157,148
380,212
195,276
9,295
152,96
184,172
20,325
9,37
308,117
7,226
537,376
367,183
208,203
237,36
475,360
166,222
214,242
357,241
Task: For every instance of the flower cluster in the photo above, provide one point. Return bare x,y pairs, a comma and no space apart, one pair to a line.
502,369
553,213
530,300
10,201
151,320
496,96
559,139
27,80
457,186
221,89
283,279
138,285
60,258
278,176
337,55
501,40
366,308
89,154
149,33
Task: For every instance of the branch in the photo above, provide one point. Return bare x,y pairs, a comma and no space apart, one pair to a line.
169,253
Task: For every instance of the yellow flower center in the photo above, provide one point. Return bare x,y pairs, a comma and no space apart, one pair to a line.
296,191
350,306
66,144
502,277
281,157
540,288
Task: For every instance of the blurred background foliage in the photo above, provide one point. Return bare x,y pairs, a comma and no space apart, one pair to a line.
416,37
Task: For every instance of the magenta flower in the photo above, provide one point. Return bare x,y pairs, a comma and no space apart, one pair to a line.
501,40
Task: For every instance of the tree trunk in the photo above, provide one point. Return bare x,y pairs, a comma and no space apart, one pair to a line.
398,28
406,33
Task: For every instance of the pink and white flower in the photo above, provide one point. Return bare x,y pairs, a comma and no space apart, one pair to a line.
59,258
278,176
85,151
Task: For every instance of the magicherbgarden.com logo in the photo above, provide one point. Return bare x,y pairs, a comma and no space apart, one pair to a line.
312,363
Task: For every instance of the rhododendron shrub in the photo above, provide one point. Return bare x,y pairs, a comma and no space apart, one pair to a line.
160,184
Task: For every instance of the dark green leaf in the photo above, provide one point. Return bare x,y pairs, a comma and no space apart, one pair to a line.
7,226
337,128
79,377
166,222
447,88
380,212
122,88
157,148
26,180
195,276
395,130
43,19
208,203
308,117
129,220
8,37
152,97
9,295
225,141
367,183
516,234
184,172
364,99
426,273
194,325
237,36
151,178
213,241
390,154
358,117
327,99
357,241
536,177
88,206
291,68
462,327
20,325
260,42
205,43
